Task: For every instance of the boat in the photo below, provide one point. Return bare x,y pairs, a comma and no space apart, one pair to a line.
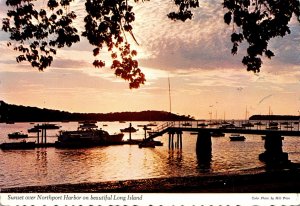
17,135
33,130
151,143
272,128
217,134
186,124
47,126
129,129
17,145
237,137
264,137
87,135
152,124
202,125
247,124
259,124
228,126
271,124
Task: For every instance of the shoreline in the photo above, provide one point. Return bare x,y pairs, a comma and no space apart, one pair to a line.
275,181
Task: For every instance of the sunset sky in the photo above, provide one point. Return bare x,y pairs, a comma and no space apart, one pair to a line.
195,55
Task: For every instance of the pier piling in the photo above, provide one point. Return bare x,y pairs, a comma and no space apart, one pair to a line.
274,155
204,145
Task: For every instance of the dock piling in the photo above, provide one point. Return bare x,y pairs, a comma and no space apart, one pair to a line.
274,155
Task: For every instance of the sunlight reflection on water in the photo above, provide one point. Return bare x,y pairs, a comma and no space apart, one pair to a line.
44,166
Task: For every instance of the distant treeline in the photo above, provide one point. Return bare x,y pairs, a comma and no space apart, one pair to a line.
274,117
15,113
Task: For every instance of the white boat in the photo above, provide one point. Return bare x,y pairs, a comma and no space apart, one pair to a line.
87,135
237,137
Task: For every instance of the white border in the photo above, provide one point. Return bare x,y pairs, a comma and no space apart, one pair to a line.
159,199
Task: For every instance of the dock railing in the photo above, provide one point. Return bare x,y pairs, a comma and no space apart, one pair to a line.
163,126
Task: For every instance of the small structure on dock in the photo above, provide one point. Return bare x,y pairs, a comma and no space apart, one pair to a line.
43,129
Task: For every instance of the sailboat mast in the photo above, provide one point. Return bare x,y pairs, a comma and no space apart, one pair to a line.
169,94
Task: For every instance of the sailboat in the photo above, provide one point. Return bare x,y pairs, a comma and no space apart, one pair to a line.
272,125
170,103
247,123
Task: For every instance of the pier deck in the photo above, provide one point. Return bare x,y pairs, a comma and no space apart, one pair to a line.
175,127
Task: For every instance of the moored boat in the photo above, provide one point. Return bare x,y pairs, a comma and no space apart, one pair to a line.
247,124
202,125
237,137
129,129
152,124
186,124
151,143
272,128
17,135
87,135
217,134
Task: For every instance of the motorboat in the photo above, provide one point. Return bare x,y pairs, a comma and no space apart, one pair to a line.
87,135
217,134
129,129
17,135
151,143
237,137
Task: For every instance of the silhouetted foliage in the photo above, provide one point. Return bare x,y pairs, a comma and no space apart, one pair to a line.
254,21
39,34
274,117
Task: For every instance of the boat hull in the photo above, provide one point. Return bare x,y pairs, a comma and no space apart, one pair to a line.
83,139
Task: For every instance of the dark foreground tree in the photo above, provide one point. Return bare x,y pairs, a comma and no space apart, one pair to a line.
38,34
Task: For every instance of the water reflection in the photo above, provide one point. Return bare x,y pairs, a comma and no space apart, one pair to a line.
204,162
175,155
41,162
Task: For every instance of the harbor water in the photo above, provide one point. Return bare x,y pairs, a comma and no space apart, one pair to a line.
47,166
